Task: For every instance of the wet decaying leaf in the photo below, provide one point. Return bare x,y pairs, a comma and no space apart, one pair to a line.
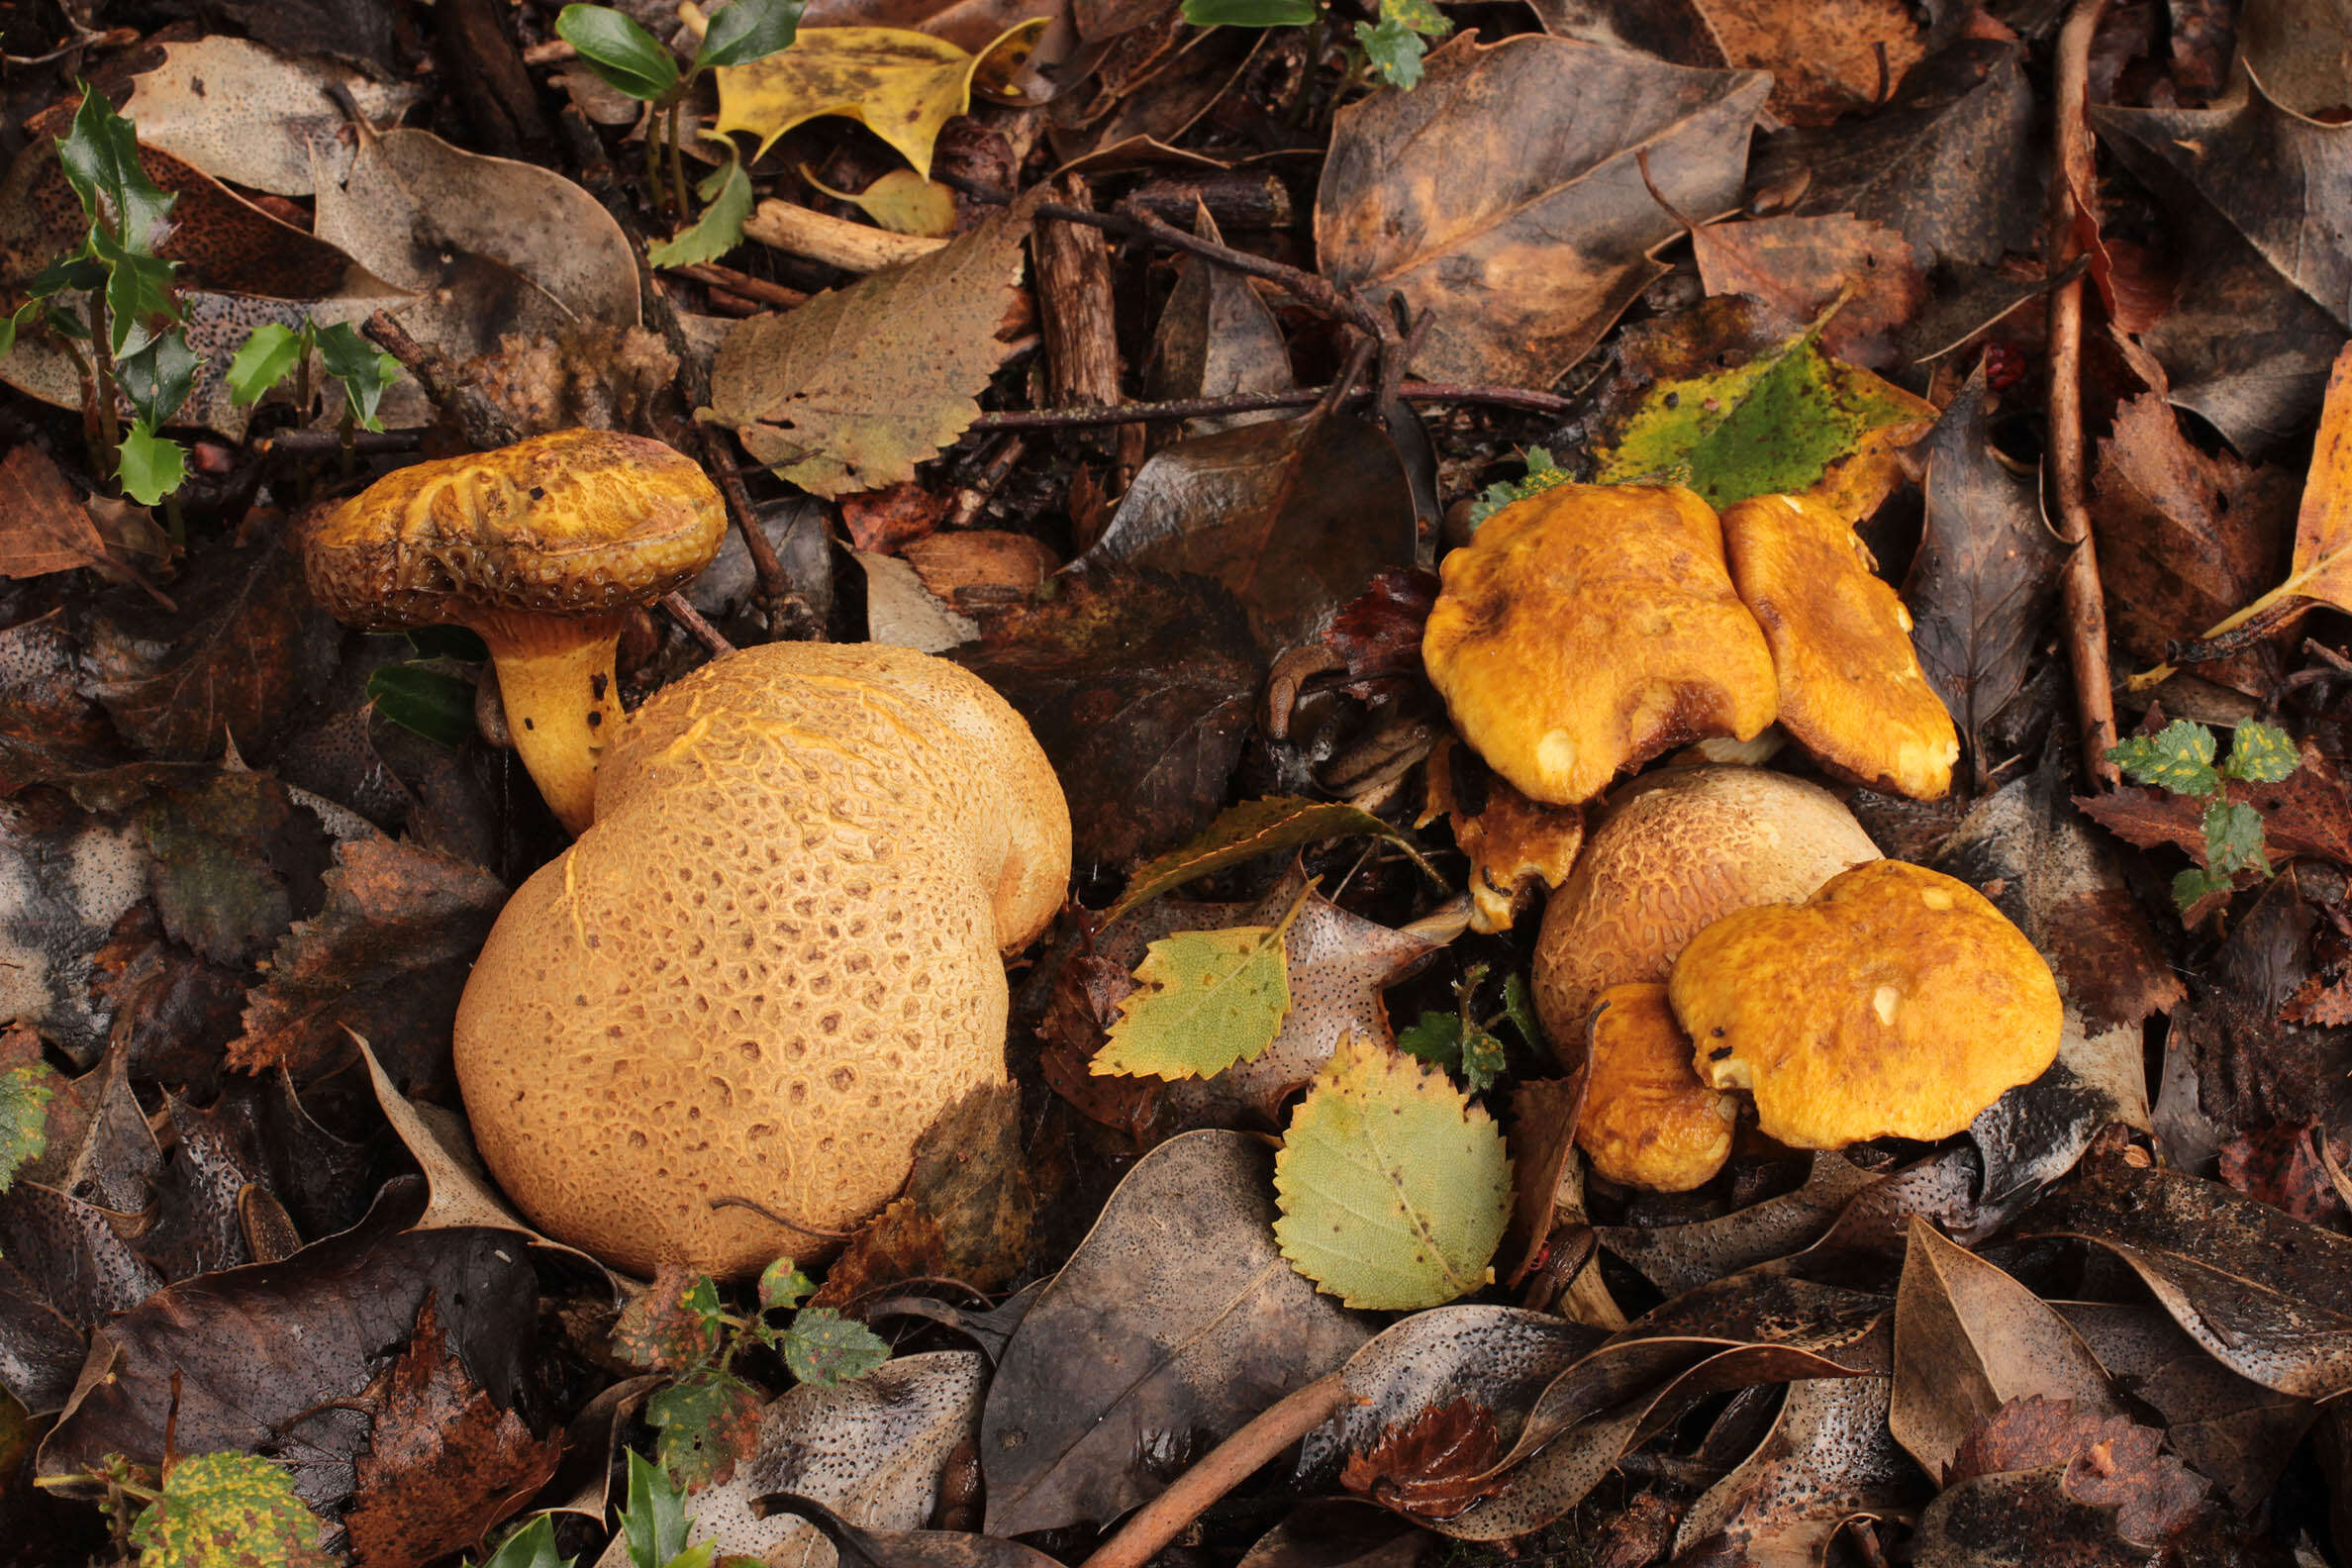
1800,265
1242,833
234,861
1174,1321
2046,1480
1827,1459
967,1210
254,1352
1293,515
49,728
2260,1291
1503,197
65,879
913,1548
1138,686
62,1270
1215,337
1986,572
1682,1257
443,1462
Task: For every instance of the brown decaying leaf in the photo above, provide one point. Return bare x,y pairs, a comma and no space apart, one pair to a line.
1174,1321
2192,536
1969,1339
982,572
1379,631
240,111
1827,1459
1985,573
1542,1131
854,388
43,527
233,861
386,957
66,877
246,646
1503,198
2108,1461
2279,1165
1826,60
969,25
1946,163
443,1461
967,1207
1215,337
887,520
2308,813
1434,1465
1800,265
1138,687
1683,1257
1294,516
49,726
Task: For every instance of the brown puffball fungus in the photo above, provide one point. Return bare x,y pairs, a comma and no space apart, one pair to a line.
1851,690
1648,1122
1590,628
1897,1002
542,548
1678,851
771,962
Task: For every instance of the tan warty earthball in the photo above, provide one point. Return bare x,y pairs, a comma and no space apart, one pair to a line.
770,963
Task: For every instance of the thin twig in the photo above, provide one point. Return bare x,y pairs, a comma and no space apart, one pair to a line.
731,1201
691,618
1226,1467
775,584
712,275
318,442
485,426
2086,605
1258,402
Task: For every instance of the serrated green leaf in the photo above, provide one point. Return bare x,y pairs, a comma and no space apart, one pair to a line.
1542,474
719,228
2262,754
362,369
263,360
1244,832
1394,49
1249,13
2179,758
704,1427
138,293
1422,16
2233,837
1519,1006
147,467
748,30
628,58
531,1546
1394,1189
823,1348
2194,883
99,156
228,1511
24,1094
429,702
1433,1037
782,1285
155,380
654,1522
1770,427
1481,1060
1203,999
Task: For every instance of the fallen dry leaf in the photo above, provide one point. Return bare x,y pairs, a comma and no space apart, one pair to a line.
1502,198
43,526
1826,60
1800,265
245,113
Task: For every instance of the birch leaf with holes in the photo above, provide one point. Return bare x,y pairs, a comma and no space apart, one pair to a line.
1394,1189
1204,1000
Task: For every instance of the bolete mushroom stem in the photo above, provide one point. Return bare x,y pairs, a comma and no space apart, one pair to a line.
555,678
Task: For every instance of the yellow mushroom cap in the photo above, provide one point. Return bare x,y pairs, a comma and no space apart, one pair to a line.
1687,847
1648,1122
1851,690
1895,1001
771,962
575,523
1586,630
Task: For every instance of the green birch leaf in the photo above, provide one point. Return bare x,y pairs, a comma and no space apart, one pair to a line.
2233,838
2179,758
1244,832
823,1348
1770,427
228,1511
2262,754
99,157
719,228
24,1094
1394,1189
1203,999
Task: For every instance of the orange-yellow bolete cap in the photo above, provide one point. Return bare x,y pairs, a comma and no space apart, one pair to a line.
1588,628
1897,1002
1851,690
1649,1120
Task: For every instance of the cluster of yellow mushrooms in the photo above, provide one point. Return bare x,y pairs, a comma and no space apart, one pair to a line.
1729,927
772,955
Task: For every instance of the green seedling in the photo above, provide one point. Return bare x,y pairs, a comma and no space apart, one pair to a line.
2179,759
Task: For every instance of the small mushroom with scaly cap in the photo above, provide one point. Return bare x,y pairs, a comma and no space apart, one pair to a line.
1851,690
1897,1002
1649,1120
542,548
1588,628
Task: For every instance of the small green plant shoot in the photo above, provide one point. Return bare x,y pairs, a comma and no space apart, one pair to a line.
2179,759
1542,474
1464,1042
1391,47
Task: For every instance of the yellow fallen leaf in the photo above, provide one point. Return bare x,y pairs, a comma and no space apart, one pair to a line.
901,201
903,86
2321,572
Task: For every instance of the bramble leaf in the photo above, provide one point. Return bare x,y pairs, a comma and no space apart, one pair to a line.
228,1511
782,1285
1394,1189
707,1425
823,1348
2179,758
2261,753
2233,837
727,194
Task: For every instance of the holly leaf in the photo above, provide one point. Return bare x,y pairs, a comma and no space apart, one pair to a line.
823,1348
137,291
1774,424
704,1427
531,1546
2233,837
2179,757
850,391
1394,1189
148,465
654,1523
428,702
156,379
1203,1001
99,156
228,1511
264,360
362,369
2261,753
727,201
628,58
